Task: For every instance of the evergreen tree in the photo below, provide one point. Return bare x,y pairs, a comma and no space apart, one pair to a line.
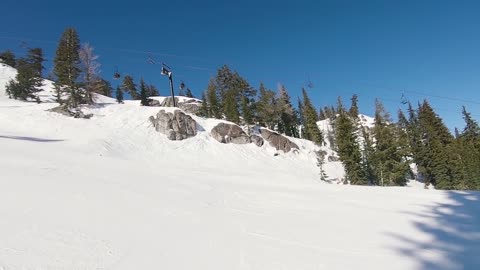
322,115
268,112
119,95
247,111
230,88
204,111
128,85
348,147
389,165
66,67
301,119
354,108
35,59
103,87
8,57
433,157
27,81
214,108
152,91
467,148
320,155
288,116
143,93
188,93
313,133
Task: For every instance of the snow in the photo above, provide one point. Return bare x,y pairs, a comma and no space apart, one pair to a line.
111,193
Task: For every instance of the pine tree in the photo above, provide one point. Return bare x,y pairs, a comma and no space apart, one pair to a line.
320,155
119,95
247,111
8,57
301,119
322,115
66,67
128,85
389,165
35,59
468,153
433,156
230,107
268,112
103,87
143,93
188,93
354,108
152,91
204,108
310,117
348,147
288,119
27,81
214,108
90,70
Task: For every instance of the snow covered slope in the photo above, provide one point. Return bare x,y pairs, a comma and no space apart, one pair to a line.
111,193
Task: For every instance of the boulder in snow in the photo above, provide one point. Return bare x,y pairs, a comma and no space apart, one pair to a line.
189,105
176,126
257,140
229,133
278,141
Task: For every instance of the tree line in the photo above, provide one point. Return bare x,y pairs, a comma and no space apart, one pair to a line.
379,155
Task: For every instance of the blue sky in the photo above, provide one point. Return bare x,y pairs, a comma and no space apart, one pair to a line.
421,49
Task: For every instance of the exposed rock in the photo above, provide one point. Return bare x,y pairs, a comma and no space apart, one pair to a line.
332,158
153,103
189,106
168,102
229,133
257,140
278,141
176,126
75,113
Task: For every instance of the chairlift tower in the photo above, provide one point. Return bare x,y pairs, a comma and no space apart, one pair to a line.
166,70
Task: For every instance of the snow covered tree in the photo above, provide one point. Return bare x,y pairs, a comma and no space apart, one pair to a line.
66,67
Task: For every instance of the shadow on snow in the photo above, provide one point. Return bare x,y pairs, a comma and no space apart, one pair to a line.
32,139
453,234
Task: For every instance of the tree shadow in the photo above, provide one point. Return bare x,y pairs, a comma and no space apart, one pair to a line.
32,139
453,234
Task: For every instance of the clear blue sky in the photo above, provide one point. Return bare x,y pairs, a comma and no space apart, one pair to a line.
372,48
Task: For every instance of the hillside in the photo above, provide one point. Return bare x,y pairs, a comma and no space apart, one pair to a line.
112,193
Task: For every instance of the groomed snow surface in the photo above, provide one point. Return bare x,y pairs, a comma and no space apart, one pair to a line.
111,193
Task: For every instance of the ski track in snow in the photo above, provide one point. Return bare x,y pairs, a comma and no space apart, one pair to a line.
111,193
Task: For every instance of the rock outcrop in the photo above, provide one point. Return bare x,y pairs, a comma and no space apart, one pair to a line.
257,140
176,126
75,113
190,105
278,141
229,133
